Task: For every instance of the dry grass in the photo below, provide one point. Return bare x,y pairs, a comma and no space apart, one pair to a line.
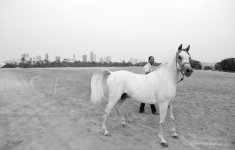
51,109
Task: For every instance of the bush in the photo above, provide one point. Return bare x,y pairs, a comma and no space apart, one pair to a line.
228,64
195,64
207,68
218,66
9,66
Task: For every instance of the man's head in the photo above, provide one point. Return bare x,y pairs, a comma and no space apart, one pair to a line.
151,60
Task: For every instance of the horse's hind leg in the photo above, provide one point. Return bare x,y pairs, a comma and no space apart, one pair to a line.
112,101
163,111
104,124
174,135
123,97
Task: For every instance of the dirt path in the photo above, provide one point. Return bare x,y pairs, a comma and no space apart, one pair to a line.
40,110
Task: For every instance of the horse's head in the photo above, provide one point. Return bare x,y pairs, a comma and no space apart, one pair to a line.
182,61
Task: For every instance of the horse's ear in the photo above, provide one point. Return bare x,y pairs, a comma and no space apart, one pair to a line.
180,47
187,49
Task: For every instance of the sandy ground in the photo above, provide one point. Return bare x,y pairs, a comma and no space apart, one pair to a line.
51,109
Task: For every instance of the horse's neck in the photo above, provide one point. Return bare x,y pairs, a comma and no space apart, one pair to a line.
171,67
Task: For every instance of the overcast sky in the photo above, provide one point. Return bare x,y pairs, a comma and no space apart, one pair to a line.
121,29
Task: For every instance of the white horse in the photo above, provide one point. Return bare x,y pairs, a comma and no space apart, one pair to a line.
158,86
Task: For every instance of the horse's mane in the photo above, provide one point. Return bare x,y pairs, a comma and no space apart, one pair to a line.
164,64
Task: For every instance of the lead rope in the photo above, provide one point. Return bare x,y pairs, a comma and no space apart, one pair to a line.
181,78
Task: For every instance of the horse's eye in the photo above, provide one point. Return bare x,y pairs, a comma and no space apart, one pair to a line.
179,57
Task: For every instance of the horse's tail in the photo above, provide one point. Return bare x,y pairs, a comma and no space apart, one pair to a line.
99,90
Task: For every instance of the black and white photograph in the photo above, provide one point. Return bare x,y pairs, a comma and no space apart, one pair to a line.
117,74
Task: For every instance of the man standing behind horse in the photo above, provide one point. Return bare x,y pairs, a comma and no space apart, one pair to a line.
147,69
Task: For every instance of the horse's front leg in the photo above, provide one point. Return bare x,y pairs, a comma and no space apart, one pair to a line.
163,111
174,134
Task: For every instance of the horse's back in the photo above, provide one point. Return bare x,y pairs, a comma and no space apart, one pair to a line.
148,88
120,77
135,85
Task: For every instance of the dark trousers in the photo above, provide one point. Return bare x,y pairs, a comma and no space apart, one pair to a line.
153,108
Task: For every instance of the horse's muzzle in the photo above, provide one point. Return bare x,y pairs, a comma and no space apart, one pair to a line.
188,71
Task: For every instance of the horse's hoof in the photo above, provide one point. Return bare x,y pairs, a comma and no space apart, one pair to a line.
106,133
175,136
155,113
123,124
164,144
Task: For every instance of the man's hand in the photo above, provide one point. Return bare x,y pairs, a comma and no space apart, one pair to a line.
147,72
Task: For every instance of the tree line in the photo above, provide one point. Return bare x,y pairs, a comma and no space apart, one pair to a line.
227,64
44,64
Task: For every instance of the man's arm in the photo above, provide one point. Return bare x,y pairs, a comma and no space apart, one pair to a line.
146,69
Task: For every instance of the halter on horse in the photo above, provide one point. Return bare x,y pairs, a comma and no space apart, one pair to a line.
182,65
